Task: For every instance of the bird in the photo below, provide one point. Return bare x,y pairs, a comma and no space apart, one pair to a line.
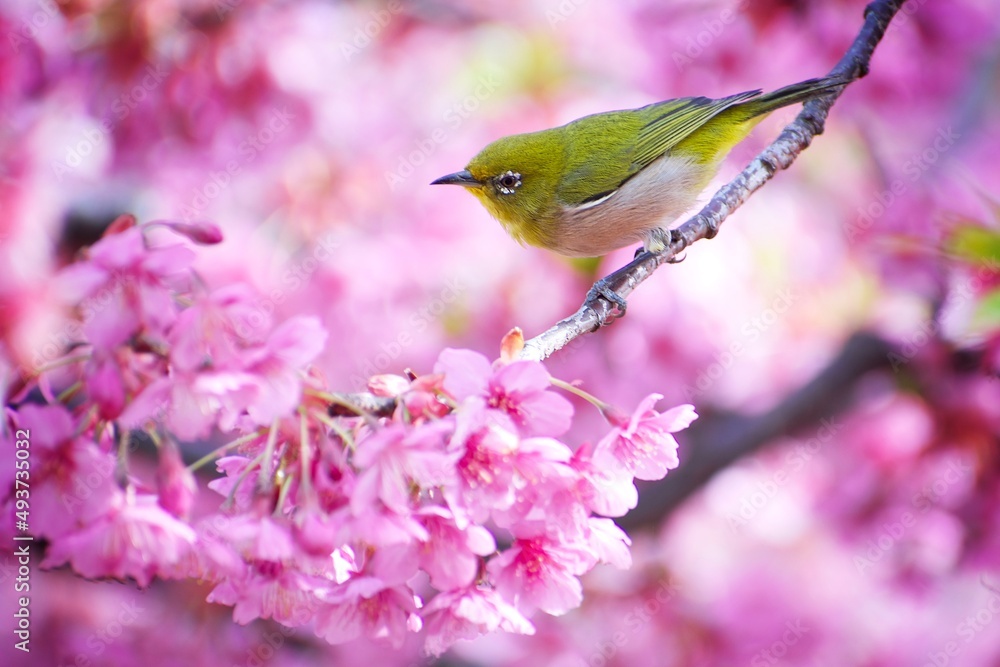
615,178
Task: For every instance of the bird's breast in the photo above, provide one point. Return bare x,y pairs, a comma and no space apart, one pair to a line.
652,198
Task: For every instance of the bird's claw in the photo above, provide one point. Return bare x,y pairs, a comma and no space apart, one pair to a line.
601,289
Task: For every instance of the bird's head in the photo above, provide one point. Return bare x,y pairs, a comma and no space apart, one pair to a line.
516,179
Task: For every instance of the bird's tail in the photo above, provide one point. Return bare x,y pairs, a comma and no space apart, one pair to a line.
797,92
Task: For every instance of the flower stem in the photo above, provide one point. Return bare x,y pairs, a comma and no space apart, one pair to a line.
305,455
334,426
265,479
590,398
224,448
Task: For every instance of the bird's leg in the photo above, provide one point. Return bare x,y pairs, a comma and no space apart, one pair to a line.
656,240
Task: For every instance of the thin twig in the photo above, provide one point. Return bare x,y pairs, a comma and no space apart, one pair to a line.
359,403
779,155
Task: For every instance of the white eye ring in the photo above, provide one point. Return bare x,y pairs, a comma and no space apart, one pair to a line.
507,182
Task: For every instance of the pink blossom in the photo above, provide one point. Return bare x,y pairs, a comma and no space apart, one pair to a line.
367,606
316,532
522,389
609,489
276,367
174,482
212,558
469,613
544,490
643,443
103,381
216,330
486,444
133,280
201,232
270,589
273,585
609,543
388,385
233,467
450,555
540,573
220,379
191,404
135,538
377,524
260,538
397,458
423,400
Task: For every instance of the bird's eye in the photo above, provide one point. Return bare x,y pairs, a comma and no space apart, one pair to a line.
508,182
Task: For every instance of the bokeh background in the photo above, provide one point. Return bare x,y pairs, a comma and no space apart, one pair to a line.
853,523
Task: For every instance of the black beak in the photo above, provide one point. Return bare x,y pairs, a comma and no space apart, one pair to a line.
463,178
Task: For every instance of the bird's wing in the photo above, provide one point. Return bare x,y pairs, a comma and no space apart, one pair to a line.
674,120
605,150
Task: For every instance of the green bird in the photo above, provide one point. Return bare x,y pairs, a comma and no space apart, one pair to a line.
616,178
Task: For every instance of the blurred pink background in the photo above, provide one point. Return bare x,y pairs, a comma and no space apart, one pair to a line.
309,132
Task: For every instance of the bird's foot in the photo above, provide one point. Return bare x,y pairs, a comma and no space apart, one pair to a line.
602,289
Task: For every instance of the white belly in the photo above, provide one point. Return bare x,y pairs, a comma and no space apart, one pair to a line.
651,199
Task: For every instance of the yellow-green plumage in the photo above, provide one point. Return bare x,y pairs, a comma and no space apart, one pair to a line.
607,180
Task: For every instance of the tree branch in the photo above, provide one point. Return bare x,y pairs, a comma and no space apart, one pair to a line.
779,155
